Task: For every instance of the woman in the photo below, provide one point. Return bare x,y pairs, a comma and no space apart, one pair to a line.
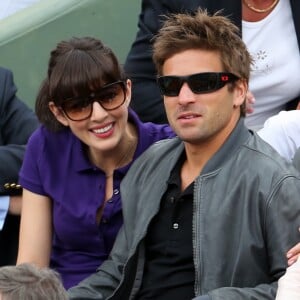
75,162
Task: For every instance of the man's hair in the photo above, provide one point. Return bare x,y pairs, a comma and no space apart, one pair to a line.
202,31
28,282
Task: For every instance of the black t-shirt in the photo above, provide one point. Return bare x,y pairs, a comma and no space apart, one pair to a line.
169,268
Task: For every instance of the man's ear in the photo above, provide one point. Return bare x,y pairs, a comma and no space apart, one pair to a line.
58,114
240,91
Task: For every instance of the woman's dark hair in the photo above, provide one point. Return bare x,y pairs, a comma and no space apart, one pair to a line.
76,67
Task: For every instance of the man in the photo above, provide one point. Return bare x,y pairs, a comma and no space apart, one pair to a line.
27,281
268,81
210,214
17,122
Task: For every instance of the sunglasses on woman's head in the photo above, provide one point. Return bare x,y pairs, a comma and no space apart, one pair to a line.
110,97
199,83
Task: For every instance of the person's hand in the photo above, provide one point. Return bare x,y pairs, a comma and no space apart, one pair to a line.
293,254
289,283
15,205
250,100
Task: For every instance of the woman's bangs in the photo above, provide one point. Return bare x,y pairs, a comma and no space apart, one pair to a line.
103,70
82,73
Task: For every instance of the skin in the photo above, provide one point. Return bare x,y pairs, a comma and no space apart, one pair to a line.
202,121
104,149
15,205
252,16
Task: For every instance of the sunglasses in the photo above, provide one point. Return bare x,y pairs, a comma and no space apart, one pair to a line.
110,97
199,83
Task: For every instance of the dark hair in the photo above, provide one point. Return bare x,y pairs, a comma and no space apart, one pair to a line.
76,67
29,282
182,32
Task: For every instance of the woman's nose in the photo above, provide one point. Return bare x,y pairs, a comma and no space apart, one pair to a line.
98,111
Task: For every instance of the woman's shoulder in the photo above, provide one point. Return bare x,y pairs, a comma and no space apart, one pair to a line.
44,137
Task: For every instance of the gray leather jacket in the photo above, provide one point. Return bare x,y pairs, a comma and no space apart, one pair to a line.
246,215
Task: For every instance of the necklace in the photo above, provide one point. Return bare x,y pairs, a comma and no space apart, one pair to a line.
128,154
258,10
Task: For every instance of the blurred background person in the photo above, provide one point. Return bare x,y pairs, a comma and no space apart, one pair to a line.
17,122
26,281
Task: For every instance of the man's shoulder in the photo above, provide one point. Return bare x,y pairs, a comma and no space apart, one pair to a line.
161,147
259,154
53,141
296,159
159,156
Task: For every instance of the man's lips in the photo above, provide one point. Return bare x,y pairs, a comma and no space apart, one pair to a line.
187,116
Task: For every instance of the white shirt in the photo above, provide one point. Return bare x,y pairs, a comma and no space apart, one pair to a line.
275,75
282,132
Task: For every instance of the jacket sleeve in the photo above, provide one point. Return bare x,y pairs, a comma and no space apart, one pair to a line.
296,159
281,220
17,122
104,282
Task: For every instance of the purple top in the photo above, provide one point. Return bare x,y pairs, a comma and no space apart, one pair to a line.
56,165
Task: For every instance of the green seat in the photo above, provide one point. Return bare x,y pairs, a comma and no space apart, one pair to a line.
27,37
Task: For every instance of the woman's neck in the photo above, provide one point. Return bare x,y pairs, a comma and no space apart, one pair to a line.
120,156
257,10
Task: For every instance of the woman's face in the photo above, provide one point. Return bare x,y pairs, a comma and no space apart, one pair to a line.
104,130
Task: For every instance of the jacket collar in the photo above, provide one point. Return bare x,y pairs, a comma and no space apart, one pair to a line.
236,139
172,150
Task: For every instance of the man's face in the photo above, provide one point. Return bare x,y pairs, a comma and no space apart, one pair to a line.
198,118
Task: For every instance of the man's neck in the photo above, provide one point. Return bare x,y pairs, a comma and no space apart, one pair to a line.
198,154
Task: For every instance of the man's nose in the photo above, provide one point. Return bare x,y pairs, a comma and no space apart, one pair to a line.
186,95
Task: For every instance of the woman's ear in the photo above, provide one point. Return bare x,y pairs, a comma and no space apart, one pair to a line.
58,114
128,92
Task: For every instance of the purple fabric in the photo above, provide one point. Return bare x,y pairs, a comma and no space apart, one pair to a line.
55,165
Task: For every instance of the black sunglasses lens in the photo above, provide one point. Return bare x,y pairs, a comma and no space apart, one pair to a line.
170,85
198,83
203,83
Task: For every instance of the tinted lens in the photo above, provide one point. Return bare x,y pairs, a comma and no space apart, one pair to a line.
77,109
110,97
199,83
170,85
203,83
